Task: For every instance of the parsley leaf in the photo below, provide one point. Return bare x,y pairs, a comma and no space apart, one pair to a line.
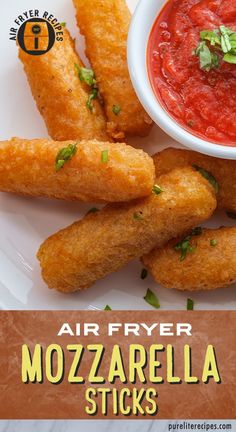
104,156
190,304
208,60
157,189
64,155
211,36
116,109
107,307
230,58
208,176
86,75
152,299
185,247
223,40
213,242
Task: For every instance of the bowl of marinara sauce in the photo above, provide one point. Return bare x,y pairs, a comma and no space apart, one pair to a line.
182,62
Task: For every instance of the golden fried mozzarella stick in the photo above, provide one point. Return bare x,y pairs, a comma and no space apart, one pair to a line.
101,243
61,96
209,261
71,170
105,24
223,170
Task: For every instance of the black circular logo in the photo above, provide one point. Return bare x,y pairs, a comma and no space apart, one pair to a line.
36,36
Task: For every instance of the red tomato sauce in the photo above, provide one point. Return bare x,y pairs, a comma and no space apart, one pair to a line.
203,102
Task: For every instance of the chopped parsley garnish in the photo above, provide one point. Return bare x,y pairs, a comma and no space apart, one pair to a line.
185,246
157,189
104,156
107,307
144,273
208,59
87,75
208,176
190,304
92,95
213,242
63,24
93,210
152,299
138,216
116,109
214,42
64,155
231,215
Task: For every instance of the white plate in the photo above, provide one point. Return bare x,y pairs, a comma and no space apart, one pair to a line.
25,223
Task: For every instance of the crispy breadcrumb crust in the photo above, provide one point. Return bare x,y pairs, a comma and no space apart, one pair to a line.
223,170
101,243
207,268
28,167
105,25
60,96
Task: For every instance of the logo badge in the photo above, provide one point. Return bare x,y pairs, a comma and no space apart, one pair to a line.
34,34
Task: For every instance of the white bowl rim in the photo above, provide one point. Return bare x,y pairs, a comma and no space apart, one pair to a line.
141,24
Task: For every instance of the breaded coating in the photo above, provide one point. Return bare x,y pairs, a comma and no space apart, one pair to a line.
105,25
211,265
223,170
28,167
60,95
101,243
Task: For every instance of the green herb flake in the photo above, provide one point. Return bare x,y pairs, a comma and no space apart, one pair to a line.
152,299
93,95
230,58
116,109
211,36
138,216
144,273
208,176
190,304
104,156
218,41
213,242
92,210
185,245
208,60
107,307
63,24
64,155
157,189
86,75
224,40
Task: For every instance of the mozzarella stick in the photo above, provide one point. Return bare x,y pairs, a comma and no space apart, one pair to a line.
60,96
105,25
223,170
209,264
71,170
101,243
